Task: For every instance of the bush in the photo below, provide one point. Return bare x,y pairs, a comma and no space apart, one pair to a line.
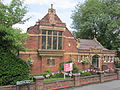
75,69
117,64
86,74
62,66
12,68
57,75
48,71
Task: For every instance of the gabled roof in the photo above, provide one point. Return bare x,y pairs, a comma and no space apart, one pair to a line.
88,44
51,19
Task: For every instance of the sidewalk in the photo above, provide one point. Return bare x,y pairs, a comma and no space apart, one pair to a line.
111,85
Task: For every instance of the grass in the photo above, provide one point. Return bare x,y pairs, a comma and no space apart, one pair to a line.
52,79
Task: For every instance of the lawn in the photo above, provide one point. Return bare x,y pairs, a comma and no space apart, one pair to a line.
53,79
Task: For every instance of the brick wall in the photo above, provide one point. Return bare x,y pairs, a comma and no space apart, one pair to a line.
39,84
89,79
69,42
10,87
54,68
58,84
109,77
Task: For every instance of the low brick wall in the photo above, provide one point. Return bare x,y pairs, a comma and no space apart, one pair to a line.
108,77
30,86
39,83
58,84
9,87
89,79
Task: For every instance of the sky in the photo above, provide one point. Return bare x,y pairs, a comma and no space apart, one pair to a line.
37,9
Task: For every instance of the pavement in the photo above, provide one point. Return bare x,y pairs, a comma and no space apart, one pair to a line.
111,85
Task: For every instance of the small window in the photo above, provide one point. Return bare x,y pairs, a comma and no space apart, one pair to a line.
49,44
60,43
54,32
50,62
60,33
49,32
44,31
43,42
54,42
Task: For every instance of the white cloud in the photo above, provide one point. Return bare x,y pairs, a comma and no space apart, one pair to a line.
57,3
35,15
64,5
24,27
36,1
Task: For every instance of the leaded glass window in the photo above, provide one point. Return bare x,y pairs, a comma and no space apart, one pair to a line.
52,39
43,42
60,43
54,42
49,44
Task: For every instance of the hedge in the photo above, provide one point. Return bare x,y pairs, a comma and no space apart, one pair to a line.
12,68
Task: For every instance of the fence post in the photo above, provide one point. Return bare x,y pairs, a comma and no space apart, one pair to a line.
101,77
39,82
77,80
118,73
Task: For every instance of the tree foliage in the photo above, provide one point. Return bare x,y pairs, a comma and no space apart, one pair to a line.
12,68
99,18
10,38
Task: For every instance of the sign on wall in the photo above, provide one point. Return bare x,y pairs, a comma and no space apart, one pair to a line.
68,67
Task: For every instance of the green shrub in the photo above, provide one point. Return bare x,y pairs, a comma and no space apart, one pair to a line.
117,64
48,71
12,68
75,69
86,74
80,71
61,66
57,75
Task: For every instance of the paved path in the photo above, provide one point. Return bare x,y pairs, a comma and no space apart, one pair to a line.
112,85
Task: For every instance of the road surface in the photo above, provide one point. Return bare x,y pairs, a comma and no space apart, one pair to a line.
111,85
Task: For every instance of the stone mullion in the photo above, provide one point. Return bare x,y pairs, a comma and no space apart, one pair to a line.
57,40
52,41
46,39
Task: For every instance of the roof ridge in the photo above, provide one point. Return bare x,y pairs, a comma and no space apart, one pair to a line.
99,43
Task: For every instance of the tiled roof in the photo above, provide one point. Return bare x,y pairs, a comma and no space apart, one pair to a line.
88,44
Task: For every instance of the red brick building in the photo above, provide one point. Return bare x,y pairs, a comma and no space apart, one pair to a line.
50,43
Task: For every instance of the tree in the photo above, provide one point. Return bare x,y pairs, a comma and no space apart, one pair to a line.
12,68
99,18
10,38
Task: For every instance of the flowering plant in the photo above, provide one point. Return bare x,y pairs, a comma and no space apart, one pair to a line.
85,60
